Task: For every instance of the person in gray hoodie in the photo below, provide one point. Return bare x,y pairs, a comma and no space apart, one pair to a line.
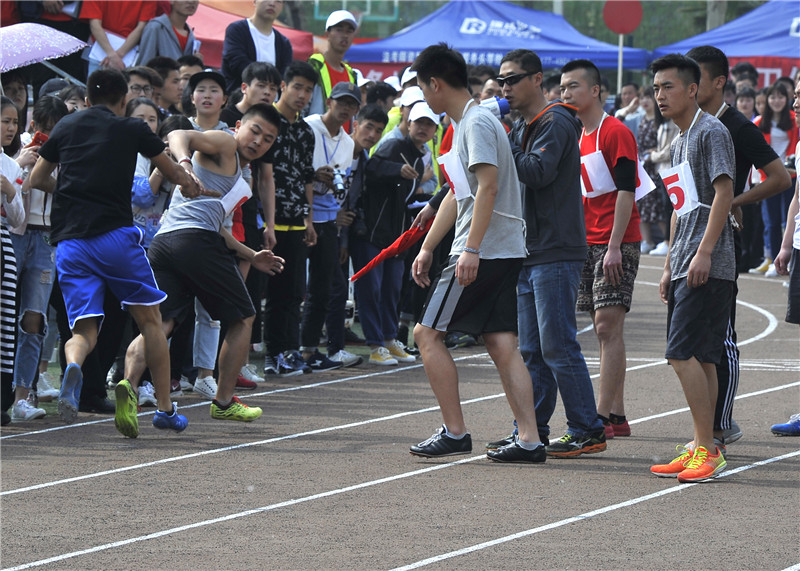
544,142
160,39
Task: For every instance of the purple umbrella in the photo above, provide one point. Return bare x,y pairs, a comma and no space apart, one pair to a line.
25,44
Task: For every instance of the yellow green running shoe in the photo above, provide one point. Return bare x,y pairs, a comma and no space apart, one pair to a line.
125,418
237,410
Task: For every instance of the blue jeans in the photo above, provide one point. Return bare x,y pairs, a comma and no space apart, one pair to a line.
36,268
548,330
377,293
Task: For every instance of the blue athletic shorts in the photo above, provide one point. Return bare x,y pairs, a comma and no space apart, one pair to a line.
117,260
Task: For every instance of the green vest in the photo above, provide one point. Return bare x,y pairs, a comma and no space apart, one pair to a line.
317,61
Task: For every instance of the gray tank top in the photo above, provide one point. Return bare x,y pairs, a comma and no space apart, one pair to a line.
203,212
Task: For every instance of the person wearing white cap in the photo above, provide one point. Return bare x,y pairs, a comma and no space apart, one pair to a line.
397,128
340,30
394,174
409,78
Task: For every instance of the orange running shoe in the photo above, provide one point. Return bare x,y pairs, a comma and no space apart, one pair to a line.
675,467
703,466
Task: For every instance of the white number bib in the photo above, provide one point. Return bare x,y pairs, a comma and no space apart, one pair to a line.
596,179
679,181
456,174
681,188
236,196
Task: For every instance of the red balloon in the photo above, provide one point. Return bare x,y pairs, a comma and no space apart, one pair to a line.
622,16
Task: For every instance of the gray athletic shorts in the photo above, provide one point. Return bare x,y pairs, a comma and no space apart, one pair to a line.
487,305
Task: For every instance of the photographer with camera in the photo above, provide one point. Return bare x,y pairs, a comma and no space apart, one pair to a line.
333,155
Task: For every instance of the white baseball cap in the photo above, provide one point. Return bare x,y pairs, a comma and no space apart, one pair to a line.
394,82
339,16
421,110
408,75
410,96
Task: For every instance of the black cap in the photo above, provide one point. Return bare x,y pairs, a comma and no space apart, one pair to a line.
52,86
346,89
207,73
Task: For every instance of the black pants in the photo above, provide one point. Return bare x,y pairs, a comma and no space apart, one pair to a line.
285,292
323,260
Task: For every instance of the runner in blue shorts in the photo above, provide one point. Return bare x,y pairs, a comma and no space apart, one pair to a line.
98,246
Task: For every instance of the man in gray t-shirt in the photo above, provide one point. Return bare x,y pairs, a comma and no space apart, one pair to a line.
698,280
476,293
708,148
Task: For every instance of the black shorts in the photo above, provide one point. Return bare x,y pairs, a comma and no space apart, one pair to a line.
697,320
793,310
488,305
197,263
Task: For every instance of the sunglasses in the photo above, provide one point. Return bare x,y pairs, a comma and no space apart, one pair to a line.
513,79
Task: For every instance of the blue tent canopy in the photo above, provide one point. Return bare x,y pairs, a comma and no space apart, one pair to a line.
772,29
485,31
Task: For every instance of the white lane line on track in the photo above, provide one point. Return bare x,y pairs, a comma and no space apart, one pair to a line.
322,431
372,483
584,516
771,326
332,428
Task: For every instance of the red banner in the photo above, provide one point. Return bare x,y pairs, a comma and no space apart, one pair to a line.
769,68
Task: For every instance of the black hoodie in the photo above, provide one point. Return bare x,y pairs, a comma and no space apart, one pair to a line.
550,168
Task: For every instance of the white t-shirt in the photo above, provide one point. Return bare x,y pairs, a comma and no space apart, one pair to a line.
779,140
265,44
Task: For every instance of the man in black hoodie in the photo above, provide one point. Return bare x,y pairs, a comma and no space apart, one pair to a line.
545,147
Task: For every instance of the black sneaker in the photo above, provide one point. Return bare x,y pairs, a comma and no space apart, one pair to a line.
319,362
352,338
6,418
570,445
294,360
456,340
510,439
515,453
442,445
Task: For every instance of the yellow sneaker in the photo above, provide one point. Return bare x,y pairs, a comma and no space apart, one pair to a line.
125,417
381,356
762,268
237,410
398,351
703,466
675,467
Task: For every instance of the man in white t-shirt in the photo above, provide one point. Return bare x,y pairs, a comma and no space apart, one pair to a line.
255,39
333,156
476,293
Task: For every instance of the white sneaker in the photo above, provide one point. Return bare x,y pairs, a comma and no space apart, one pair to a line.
770,273
249,373
257,347
45,388
661,250
206,386
398,351
645,247
147,395
23,410
185,384
346,358
381,356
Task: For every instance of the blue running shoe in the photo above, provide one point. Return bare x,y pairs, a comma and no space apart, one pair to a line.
791,428
70,393
174,421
